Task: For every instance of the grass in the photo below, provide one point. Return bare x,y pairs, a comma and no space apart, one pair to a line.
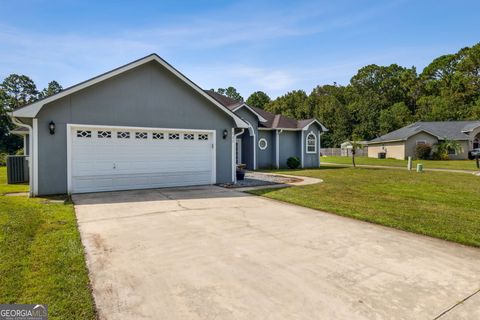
444,205
42,258
434,164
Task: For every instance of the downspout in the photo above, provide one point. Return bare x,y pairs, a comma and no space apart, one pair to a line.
30,151
303,151
277,148
234,145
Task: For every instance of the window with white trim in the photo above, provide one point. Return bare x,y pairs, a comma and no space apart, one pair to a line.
311,143
84,134
421,142
141,135
104,134
157,136
188,136
262,144
173,136
123,135
203,136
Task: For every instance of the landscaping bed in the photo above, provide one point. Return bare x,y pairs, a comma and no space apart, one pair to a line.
256,179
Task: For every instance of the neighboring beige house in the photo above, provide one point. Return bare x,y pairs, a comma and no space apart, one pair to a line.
401,143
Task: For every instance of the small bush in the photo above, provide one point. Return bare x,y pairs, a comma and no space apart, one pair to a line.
293,162
3,159
422,151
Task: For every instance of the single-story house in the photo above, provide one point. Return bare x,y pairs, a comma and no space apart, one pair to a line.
401,143
146,125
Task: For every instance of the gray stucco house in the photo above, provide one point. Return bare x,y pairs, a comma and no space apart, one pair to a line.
146,125
401,143
271,139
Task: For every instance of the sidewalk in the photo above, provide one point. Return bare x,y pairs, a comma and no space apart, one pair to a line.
401,168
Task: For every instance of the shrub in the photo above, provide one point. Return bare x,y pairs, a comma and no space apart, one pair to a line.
3,159
422,151
293,162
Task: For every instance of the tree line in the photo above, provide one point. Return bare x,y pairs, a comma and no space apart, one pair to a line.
380,99
15,92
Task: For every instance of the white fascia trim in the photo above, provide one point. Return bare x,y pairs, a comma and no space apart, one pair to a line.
260,118
35,156
32,110
30,151
283,129
313,121
71,126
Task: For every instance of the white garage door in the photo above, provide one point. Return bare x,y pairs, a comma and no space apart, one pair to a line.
106,158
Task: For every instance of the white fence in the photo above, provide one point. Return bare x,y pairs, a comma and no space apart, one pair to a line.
343,152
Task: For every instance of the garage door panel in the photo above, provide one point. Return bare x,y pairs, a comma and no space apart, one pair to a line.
102,164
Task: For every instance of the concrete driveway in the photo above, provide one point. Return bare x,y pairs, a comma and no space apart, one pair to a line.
213,253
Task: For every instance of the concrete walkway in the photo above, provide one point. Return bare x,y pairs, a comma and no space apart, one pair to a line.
400,168
215,253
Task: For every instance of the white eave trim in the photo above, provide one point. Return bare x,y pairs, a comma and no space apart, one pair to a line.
244,105
305,128
33,109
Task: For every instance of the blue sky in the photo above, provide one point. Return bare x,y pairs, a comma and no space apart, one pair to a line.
274,46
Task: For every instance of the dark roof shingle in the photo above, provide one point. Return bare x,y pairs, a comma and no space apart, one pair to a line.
455,130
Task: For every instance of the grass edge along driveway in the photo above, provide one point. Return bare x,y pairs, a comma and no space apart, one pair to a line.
444,205
42,258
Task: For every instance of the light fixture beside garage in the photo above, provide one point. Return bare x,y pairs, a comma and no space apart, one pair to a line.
51,127
225,134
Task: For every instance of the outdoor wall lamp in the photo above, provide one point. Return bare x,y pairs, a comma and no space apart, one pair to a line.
51,127
225,134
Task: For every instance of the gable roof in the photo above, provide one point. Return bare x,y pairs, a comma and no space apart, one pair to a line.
31,110
232,104
454,130
271,120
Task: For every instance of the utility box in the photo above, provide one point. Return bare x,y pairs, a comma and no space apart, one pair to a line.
419,167
17,169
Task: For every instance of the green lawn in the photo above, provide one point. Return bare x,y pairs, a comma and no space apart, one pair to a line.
42,258
439,204
434,164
